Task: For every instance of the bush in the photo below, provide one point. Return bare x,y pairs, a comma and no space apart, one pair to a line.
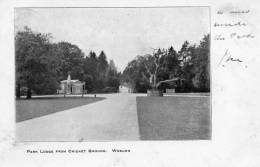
142,87
109,90
23,91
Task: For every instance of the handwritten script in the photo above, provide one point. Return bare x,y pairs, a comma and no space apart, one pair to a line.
227,57
234,27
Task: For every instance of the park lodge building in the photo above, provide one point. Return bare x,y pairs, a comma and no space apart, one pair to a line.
70,86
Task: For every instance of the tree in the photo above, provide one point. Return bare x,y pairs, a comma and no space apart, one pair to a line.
35,66
102,60
99,74
132,74
186,70
201,66
186,54
90,71
151,71
153,64
112,76
92,55
172,61
41,65
170,69
102,64
70,60
112,70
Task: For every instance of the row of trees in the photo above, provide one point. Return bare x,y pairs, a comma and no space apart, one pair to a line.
186,70
41,64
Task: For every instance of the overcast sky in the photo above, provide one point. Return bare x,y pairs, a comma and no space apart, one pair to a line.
122,33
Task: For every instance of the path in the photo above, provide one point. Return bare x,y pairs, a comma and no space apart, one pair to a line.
112,119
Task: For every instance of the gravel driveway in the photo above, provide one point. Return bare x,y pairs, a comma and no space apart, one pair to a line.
114,118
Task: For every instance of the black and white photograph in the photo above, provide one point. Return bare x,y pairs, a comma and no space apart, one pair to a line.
112,74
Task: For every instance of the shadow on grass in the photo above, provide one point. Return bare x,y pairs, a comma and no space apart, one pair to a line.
40,106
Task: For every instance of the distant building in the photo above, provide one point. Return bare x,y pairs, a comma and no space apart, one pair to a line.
125,88
71,86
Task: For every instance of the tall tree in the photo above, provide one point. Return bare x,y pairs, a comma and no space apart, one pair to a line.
92,55
112,76
70,60
101,69
186,70
132,75
102,64
185,56
169,69
91,71
35,66
41,65
153,64
202,65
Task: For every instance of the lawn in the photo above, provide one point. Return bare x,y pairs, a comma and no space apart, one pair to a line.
37,107
174,118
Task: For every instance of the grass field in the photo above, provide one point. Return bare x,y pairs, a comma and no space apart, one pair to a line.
37,107
174,118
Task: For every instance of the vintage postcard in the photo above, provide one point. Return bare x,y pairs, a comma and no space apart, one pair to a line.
173,83
112,74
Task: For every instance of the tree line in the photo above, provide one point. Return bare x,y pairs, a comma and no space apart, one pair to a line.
186,70
42,64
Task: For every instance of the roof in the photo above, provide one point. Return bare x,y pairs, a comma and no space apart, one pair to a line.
70,81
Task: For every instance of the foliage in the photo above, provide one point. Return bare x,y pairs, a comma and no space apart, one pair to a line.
186,70
35,65
201,80
70,60
41,65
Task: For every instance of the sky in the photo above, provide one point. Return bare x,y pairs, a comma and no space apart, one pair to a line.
122,33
